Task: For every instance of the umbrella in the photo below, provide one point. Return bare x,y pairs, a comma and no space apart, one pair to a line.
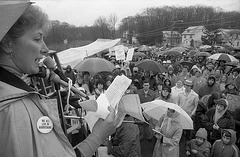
173,53
203,54
178,49
192,53
144,48
151,65
223,57
138,54
10,11
188,63
95,65
157,108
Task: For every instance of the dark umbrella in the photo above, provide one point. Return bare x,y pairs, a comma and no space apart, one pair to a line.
173,53
151,65
95,65
187,63
203,54
138,54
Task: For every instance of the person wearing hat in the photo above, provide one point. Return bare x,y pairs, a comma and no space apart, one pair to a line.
210,87
70,74
136,77
198,79
217,119
188,101
199,146
231,88
29,123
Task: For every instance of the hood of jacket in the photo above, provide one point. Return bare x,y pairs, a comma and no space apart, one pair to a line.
233,139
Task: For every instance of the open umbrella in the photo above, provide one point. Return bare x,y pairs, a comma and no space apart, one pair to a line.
203,54
223,57
157,108
191,53
144,48
172,53
178,49
95,65
138,54
151,65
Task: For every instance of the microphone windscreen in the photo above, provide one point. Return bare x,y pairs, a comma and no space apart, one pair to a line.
49,62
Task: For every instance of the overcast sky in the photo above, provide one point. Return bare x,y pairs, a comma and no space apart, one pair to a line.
85,12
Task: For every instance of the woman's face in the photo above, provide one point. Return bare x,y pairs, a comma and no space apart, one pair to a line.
170,112
220,108
28,50
224,78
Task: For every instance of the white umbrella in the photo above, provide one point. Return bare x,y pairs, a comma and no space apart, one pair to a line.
157,108
223,57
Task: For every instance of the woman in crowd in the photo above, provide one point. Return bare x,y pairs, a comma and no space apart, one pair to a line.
170,132
29,123
100,86
218,118
223,81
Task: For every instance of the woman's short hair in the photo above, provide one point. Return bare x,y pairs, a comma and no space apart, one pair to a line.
33,16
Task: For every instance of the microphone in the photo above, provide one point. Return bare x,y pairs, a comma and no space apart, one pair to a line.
56,79
49,62
43,73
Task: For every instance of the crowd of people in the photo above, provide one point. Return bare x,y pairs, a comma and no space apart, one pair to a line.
200,89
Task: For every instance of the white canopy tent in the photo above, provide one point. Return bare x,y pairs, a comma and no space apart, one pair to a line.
73,56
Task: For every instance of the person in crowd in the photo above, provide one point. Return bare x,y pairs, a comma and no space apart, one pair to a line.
159,89
188,99
236,117
167,82
217,119
146,95
100,88
188,102
209,100
160,77
184,75
126,140
223,81
225,147
218,74
168,136
136,77
198,80
231,88
209,70
87,84
166,94
131,89
171,76
177,89
70,74
210,87
22,110
199,115
199,147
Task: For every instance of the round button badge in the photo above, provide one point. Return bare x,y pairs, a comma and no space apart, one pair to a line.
44,125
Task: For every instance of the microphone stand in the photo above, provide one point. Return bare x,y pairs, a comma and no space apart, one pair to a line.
60,108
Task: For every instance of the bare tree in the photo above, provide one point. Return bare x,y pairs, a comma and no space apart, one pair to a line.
112,22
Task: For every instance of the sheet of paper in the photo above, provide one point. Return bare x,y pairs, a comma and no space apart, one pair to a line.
116,90
130,103
130,54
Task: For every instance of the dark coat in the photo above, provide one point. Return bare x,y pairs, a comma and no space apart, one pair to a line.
225,122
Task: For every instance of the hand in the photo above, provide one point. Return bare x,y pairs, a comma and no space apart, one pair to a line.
187,153
215,126
104,128
194,151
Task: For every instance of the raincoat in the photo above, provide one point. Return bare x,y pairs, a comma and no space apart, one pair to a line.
219,149
171,128
20,109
